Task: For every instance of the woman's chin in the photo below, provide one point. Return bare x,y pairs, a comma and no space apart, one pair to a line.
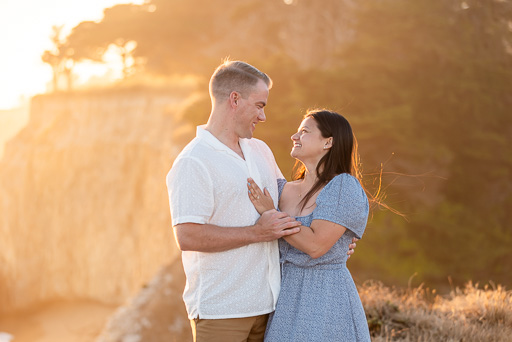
295,154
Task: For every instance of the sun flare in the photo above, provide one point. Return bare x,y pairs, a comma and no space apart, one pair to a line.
29,24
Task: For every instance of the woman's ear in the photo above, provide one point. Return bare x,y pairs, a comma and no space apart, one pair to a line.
328,143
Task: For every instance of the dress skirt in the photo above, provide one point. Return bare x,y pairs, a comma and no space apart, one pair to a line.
318,303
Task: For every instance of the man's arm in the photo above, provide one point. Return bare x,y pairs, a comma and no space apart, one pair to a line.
211,238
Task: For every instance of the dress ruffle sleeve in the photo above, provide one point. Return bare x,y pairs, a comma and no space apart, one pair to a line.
343,201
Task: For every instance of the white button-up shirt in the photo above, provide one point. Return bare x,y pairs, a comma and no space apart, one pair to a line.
207,185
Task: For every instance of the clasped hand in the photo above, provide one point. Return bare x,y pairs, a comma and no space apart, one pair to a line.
263,202
272,223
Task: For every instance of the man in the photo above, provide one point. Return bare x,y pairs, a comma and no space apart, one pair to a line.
229,252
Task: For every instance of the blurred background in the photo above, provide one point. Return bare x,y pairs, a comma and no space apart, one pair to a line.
98,97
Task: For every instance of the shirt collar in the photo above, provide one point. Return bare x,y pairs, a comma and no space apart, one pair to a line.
211,140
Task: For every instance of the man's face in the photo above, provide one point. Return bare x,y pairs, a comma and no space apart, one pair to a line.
251,110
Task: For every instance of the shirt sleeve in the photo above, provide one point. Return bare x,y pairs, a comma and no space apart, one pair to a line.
344,202
270,156
190,190
279,174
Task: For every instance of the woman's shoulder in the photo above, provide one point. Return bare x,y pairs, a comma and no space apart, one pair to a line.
281,183
344,202
344,180
288,185
345,187
285,187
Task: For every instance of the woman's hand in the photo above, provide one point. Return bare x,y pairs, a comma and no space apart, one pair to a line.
262,201
351,247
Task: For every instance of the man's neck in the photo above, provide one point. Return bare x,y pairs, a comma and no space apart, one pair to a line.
225,135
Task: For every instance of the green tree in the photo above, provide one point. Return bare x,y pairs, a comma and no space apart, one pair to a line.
426,85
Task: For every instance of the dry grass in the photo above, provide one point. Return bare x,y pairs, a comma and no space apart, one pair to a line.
469,314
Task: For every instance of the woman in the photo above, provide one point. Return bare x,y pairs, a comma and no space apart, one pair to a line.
318,299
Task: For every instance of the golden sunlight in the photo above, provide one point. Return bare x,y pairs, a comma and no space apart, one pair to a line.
28,24
88,73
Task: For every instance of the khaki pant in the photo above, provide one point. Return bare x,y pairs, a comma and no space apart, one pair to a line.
247,329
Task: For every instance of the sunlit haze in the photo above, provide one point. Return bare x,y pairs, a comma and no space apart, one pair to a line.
87,249
25,27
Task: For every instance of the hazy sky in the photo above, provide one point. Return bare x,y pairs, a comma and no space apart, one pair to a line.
25,28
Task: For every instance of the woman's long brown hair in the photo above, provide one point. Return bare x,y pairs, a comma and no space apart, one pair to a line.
341,158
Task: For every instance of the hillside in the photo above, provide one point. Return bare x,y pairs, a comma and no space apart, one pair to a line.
471,314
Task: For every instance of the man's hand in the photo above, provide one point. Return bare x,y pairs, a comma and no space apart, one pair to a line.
273,225
351,247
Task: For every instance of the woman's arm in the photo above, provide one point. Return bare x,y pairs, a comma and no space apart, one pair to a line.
211,238
317,239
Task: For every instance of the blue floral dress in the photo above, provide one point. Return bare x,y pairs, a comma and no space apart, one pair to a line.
318,299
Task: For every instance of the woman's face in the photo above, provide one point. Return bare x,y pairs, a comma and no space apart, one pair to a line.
308,143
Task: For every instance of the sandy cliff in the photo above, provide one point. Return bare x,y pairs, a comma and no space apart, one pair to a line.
11,121
83,203
156,314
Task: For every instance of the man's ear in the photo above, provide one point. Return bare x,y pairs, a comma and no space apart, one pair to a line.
234,97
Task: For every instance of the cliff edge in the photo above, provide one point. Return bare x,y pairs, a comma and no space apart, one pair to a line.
83,202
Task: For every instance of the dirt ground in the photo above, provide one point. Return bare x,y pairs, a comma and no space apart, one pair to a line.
57,322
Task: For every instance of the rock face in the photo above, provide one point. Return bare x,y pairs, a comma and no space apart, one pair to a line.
11,121
155,314
83,204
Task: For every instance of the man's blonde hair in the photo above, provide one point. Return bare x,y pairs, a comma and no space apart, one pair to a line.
235,76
